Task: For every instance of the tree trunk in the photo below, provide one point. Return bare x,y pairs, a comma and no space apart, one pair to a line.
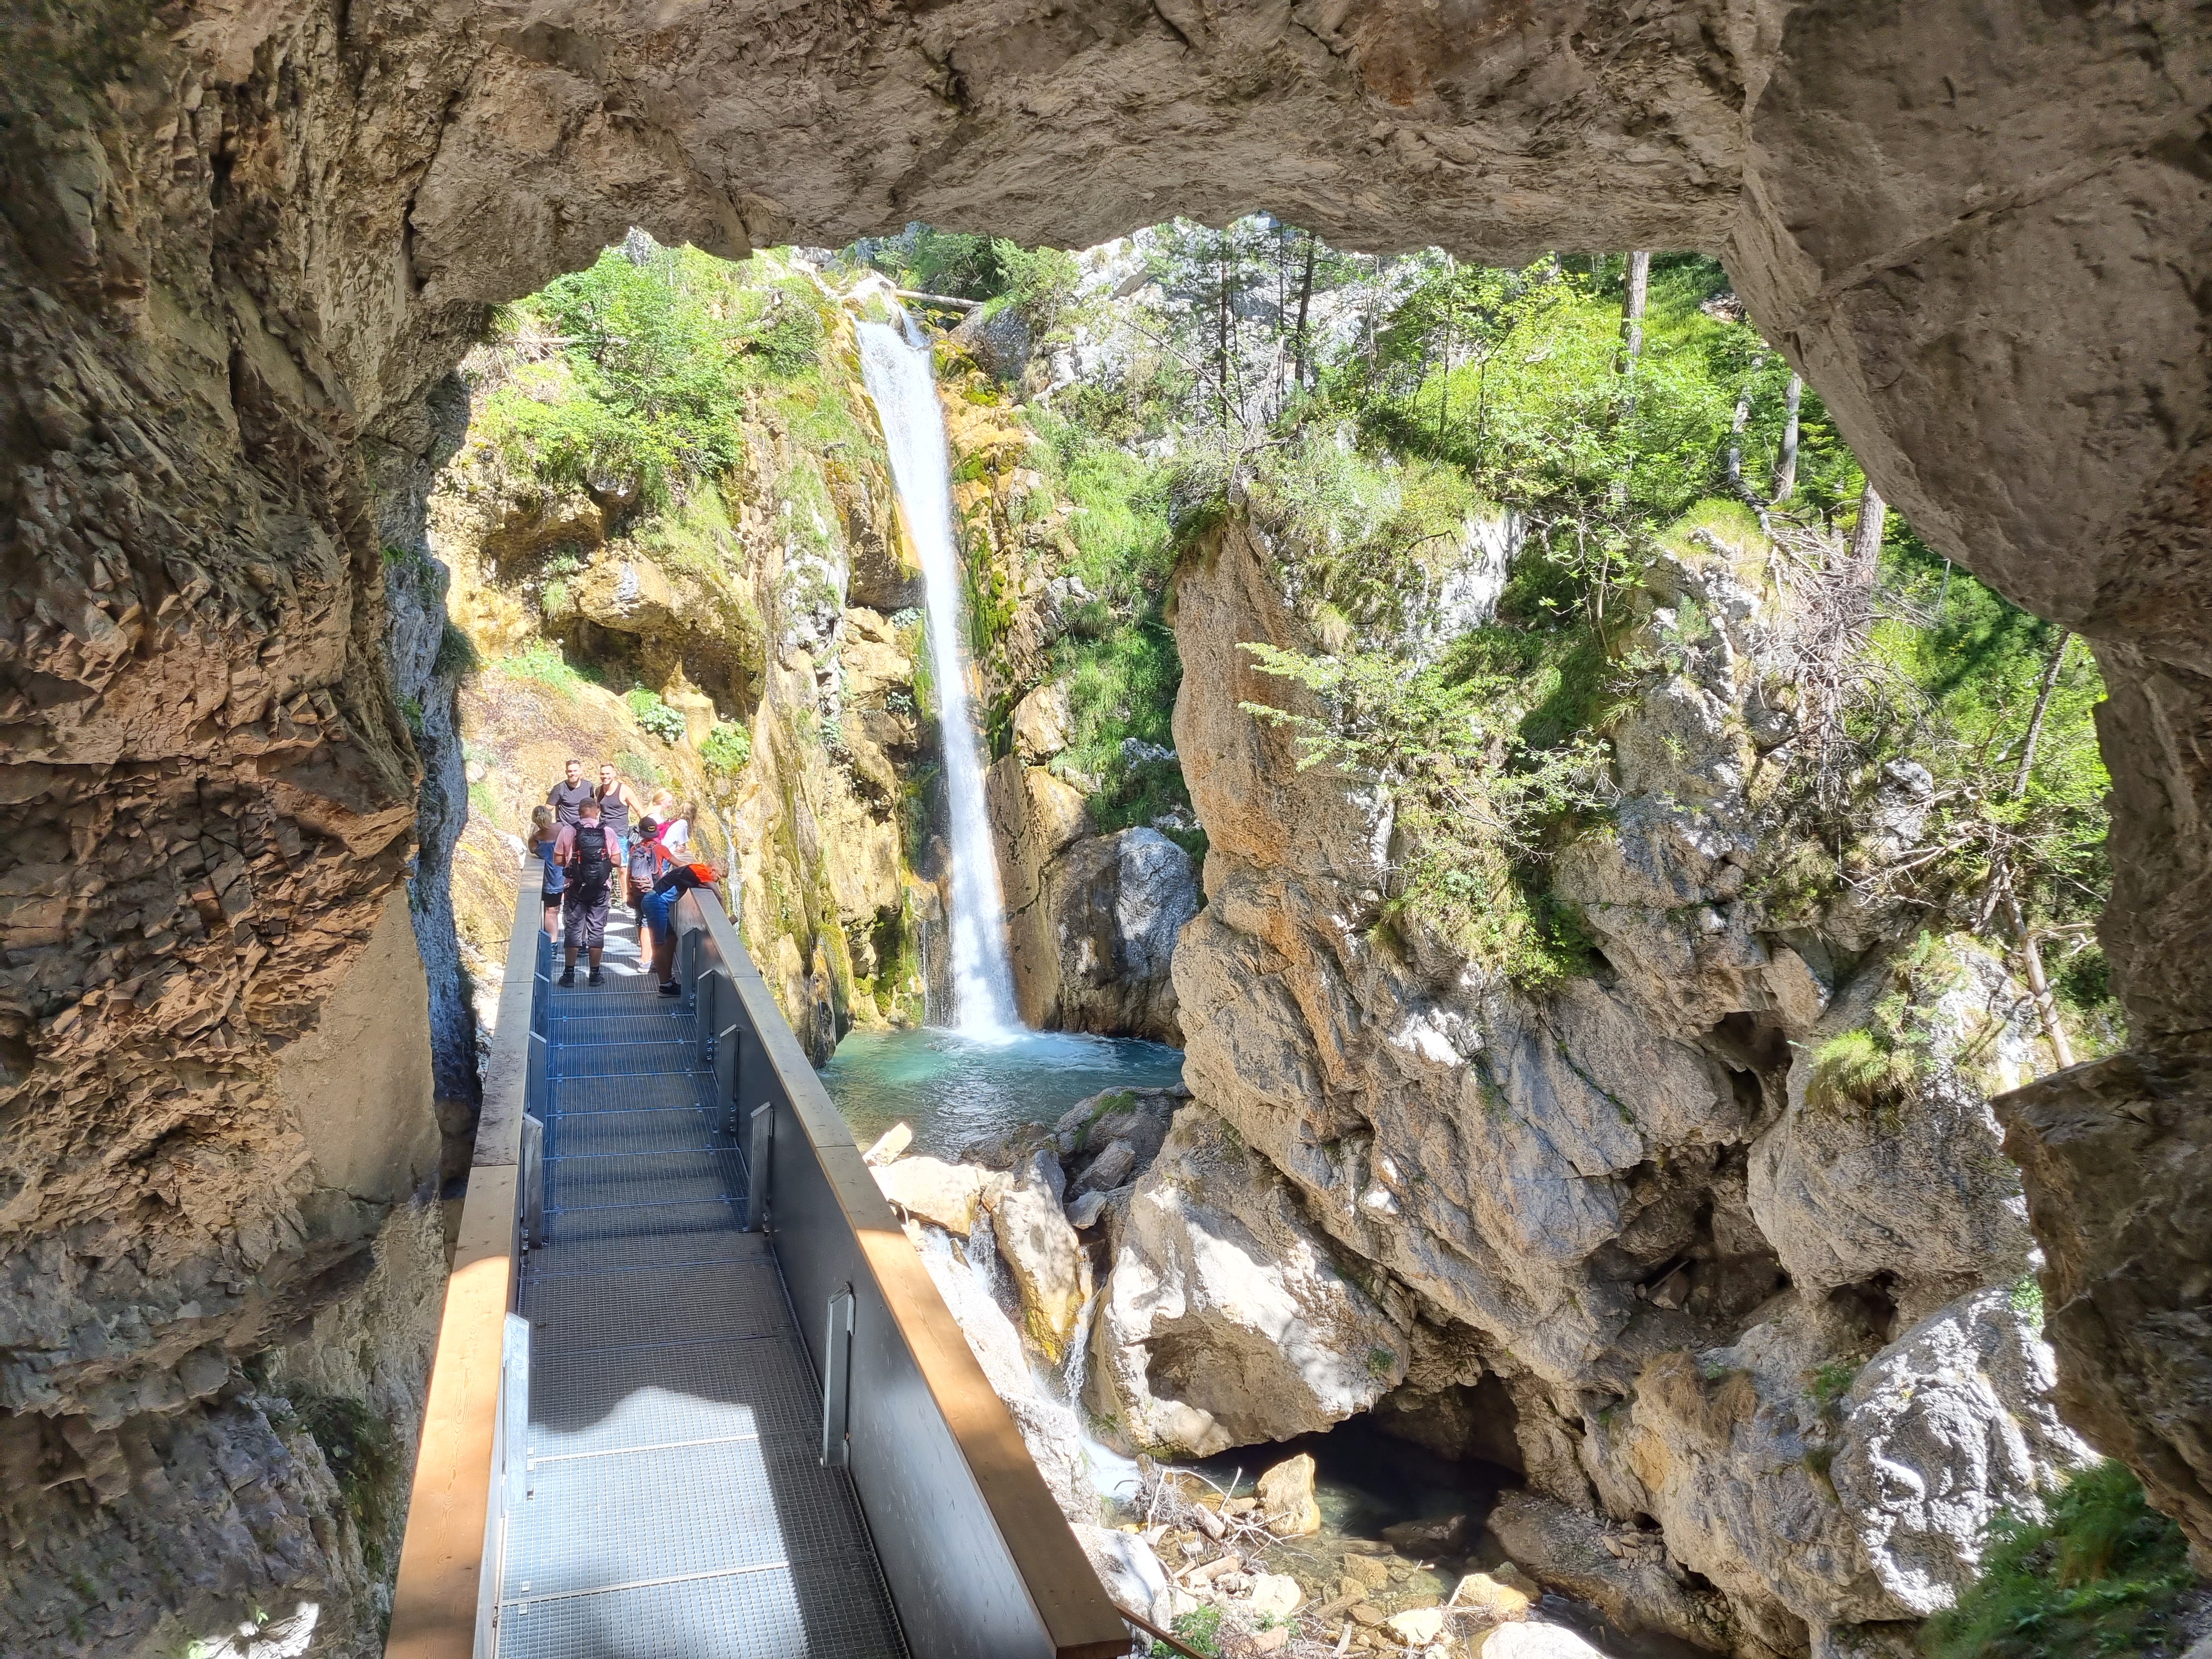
1221,344
1305,298
1866,539
2035,720
2038,988
1444,381
1862,563
1786,462
1631,311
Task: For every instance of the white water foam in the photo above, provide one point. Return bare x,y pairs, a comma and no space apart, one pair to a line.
901,380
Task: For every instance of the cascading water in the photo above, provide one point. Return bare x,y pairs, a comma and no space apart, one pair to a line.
900,380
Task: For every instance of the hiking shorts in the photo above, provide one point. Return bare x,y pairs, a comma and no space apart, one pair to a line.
583,923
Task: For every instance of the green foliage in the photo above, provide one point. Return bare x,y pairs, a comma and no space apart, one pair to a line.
1118,657
650,711
1865,1069
629,377
2102,1573
411,710
366,1457
727,750
482,803
2026,1297
541,663
1830,1384
640,769
1476,805
1036,282
1198,1629
457,654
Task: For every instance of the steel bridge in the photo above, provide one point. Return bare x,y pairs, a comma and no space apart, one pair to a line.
695,1396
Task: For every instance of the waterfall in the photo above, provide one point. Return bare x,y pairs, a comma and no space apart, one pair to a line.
900,380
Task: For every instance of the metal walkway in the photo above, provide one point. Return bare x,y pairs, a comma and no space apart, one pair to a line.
676,1505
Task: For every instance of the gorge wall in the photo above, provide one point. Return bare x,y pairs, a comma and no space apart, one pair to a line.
244,245
1774,1326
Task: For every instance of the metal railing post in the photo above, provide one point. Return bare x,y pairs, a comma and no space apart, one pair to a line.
533,1181
837,1381
757,1152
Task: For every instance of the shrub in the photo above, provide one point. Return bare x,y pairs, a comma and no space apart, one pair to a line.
652,712
2102,1573
457,654
1198,1629
541,663
1863,1069
728,747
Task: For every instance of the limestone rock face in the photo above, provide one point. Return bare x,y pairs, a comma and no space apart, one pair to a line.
1041,723
2107,1150
1851,1494
1229,1317
1119,903
1051,1271
1093,919
1846,1195
1600,1189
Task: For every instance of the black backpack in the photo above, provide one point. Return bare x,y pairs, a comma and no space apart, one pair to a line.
595,862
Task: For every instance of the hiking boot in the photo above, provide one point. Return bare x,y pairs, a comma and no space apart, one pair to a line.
671,988
594,978
567,979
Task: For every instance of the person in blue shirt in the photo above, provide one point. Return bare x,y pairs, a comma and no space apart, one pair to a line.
543,834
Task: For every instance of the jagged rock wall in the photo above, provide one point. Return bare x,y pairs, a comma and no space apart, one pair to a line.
1723,1299
239,241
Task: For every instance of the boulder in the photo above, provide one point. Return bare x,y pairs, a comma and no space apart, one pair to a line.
1418,1626
1847,1492
1083,1213
1051,1272
1118,905
1286,1497
1137,1117
1493,1600
1919,1190
1131,1573
1444,1535
1050,1430
1275,1594
946,1195
889,1144
1229,1317
1040,724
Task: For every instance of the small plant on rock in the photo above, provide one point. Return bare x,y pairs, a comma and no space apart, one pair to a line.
727,750
650,711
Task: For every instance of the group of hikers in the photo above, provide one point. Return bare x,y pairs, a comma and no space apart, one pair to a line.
600,844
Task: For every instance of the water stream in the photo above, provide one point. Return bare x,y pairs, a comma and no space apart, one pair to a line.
901,380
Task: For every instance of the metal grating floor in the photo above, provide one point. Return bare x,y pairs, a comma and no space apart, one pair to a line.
677,1507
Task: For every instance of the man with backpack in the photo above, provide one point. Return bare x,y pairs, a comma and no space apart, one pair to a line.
586,851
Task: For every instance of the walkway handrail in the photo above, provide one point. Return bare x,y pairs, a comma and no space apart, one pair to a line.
980,1563
978,1558
448,1580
